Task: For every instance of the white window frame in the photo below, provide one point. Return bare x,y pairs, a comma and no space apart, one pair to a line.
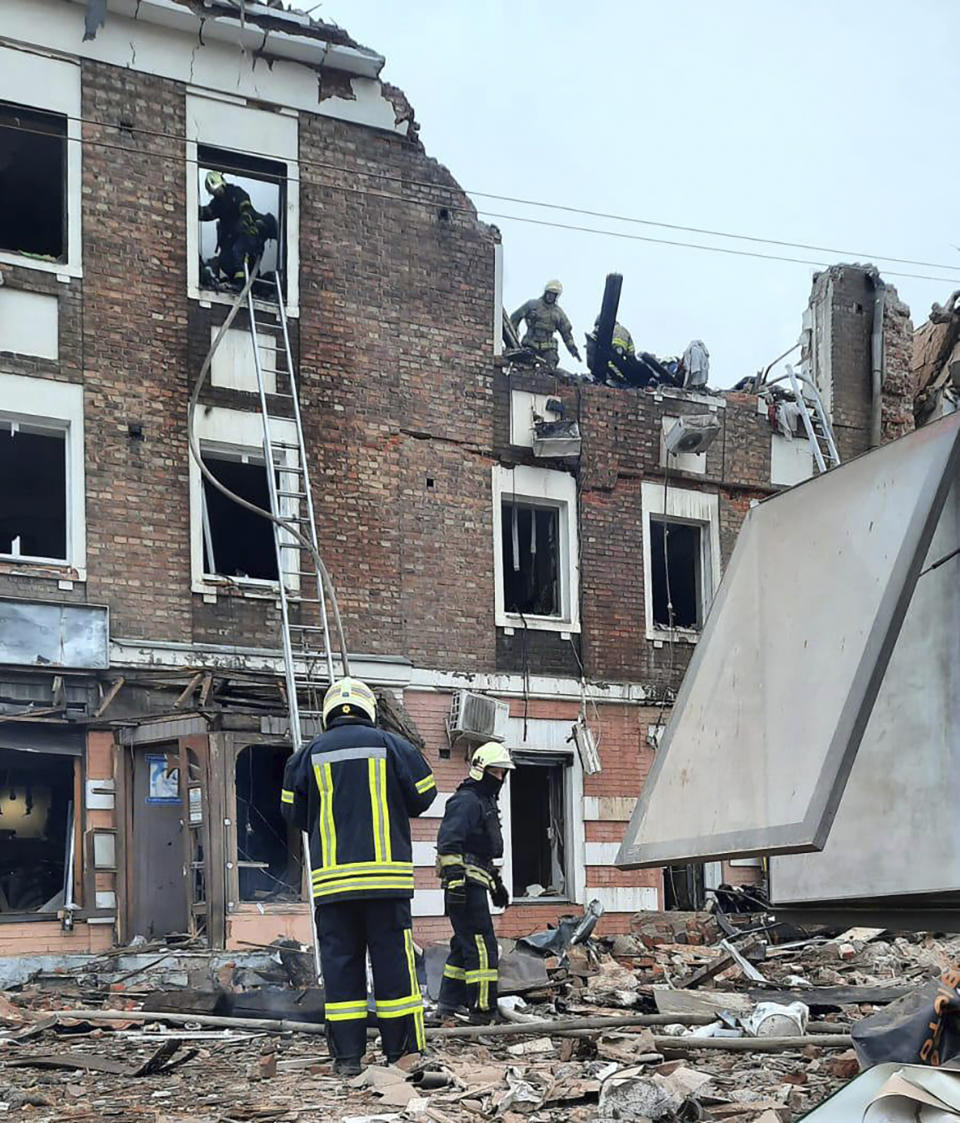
234,432
57,406
218,121
683,505
51,85
543,487
550,735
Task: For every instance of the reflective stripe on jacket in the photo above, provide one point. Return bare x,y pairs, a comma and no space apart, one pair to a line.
354,789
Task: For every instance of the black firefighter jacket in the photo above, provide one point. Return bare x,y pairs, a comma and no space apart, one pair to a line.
470,836
354,789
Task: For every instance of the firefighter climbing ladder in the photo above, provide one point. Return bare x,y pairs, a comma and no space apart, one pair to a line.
307,668
816,423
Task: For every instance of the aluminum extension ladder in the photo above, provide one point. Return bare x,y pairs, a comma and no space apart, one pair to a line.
308,668
816,423
308,664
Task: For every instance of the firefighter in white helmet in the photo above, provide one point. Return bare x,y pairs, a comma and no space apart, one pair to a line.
354,789
468,842
544,318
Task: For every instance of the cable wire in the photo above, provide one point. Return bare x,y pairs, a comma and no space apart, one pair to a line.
462,192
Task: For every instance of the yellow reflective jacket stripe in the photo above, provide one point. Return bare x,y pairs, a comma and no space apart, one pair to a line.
286,796
425,784
357,869
361,884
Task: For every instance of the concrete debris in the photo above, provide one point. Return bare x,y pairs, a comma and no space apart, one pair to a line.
80,1046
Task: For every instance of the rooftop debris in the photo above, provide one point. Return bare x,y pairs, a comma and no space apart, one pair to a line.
610,1031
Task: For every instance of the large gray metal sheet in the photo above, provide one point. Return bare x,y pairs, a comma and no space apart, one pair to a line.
43,634
773,706
894,834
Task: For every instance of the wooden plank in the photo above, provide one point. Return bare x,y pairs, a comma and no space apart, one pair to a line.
831,997
705,1002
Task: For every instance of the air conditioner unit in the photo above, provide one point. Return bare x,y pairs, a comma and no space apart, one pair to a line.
476,717
555,438
692,433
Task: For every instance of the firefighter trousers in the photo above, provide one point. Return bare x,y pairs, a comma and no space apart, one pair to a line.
470,973
347,930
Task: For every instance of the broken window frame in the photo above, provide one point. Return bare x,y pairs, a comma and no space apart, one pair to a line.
54,86
700,577
63,413
247,428
684,506
73,857
539,487
574,839
236,166
228,127
233,844
13,430
33,124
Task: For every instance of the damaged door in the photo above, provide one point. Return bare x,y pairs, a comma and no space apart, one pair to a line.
157,900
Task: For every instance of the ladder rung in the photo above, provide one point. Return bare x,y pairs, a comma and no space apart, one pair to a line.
293,494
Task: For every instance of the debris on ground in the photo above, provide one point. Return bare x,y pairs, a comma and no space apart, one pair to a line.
662,1023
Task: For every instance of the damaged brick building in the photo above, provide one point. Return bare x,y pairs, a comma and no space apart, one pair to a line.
492,588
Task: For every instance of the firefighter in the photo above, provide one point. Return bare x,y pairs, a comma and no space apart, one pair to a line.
624,352
467,843
544,318
353,789
241,230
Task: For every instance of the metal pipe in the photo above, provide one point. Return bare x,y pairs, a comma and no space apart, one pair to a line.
605,322
876,361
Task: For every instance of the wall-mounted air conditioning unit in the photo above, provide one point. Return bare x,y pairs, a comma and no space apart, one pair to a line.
476,717
693,432
556,438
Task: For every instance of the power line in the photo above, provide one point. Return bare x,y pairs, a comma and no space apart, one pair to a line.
405,181
695,245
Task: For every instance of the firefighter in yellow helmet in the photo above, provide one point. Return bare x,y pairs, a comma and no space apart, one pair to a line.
468,842
544,318
354,789
241,230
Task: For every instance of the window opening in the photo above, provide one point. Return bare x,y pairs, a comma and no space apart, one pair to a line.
240,541
33,501
531,558
538,830
245,219
685,558
268,849
36,830
33,182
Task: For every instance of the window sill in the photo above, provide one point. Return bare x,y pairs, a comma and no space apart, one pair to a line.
61,268
675,635
536,623
215,296
47,570
247,587
541,901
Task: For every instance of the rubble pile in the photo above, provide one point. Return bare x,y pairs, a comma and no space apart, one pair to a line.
689,1017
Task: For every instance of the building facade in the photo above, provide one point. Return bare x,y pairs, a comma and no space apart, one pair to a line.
142,732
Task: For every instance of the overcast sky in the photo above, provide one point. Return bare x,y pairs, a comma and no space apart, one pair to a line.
824,122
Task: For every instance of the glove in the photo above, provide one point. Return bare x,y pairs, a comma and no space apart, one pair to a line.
575,351
499,895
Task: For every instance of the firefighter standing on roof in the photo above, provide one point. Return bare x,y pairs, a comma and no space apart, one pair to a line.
544,318
468,842
354,789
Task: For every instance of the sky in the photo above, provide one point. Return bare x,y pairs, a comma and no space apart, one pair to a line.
819,122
